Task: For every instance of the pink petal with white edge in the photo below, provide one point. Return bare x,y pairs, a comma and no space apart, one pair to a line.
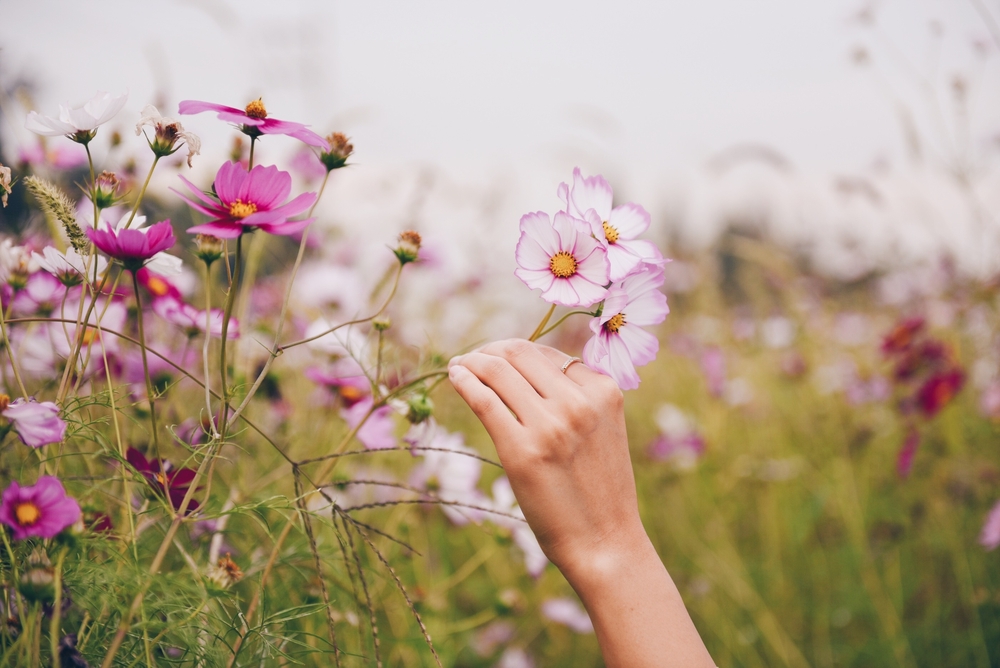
630,220
642,346
562,292
570,231
587,193
538,226
595,351
529,255
592,261
587,293
619,364
218,229
622,262
536,279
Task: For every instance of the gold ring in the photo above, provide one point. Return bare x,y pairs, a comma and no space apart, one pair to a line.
567,363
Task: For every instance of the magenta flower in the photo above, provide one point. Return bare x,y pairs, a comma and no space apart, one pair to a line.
619,343
42,509
561,259
133,247
166,479
377,433
589,199
36,422
248,200
191,320
254,121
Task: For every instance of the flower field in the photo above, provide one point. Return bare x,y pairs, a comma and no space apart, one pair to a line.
227,439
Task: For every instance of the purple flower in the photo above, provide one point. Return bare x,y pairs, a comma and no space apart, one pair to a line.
36,422
42,509
619,343
589,199
249,200
561,259
133,247
254,121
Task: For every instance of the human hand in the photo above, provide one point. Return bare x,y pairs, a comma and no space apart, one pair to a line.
561,438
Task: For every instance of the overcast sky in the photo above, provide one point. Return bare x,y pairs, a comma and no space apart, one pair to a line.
652,85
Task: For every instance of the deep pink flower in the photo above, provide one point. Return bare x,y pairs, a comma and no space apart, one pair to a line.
42,509
254,121
904,460
560,258
164,477
938,391
619,343
617,229
345,377
133,247
248,200
36,422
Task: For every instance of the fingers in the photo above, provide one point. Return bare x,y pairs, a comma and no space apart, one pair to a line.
484,402
538,369
578,372
506,382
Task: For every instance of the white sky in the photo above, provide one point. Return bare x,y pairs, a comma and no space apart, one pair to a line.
650,85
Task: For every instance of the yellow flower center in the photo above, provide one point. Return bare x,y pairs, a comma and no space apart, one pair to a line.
4,401
27,513
157,286
256,109
610,233
562,264
90,335
240,210
615,323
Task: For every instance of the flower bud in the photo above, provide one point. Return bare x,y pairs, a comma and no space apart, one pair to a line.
105,193
409,246
37,583
340,150
225,573
208,248
382,323
419,408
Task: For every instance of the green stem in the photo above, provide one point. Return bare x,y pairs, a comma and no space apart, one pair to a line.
541,325
253,142
56,622
226,315
205,346
560,321
142,193
145,371
93,184
10,354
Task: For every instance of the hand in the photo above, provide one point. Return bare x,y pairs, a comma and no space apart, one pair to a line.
562,442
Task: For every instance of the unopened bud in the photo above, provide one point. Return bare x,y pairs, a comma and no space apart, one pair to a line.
208,248
225,573
419,408
409,246
382,323
105,193
37,583
340,150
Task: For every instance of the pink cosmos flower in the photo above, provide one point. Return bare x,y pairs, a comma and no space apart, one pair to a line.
42,509
254,121
345,377
62,156
248,200
505,502
133,247
36,422
191,320
451,475
619,343
989,537
377,433
589,199
41,294
560,258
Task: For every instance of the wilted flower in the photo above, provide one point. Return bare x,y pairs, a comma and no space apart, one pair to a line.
78,123
225,573
42,509
253,121
174,483
619,343
409,246
560,258
133,247
340,150
4,184
168,134
249,200
36,422
589,199
69,267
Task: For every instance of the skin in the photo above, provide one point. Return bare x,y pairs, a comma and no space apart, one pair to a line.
562,441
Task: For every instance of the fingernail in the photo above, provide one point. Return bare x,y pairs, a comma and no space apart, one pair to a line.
457,359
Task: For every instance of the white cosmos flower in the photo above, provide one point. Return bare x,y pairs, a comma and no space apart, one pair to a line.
83,118
69,267
167,132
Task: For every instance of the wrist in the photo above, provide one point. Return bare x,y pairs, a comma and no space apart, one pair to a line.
602,564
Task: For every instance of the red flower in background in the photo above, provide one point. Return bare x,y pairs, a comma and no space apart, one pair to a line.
938,390
174,483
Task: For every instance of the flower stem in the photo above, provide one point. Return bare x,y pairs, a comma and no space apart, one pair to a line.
10,354
93,184
54,631
226,315
205,346
142,193
145,370
541,325
560,321
253,142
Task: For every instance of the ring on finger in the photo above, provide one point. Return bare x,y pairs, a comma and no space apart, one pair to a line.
568,362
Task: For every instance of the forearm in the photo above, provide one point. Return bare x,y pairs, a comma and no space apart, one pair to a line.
638,614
